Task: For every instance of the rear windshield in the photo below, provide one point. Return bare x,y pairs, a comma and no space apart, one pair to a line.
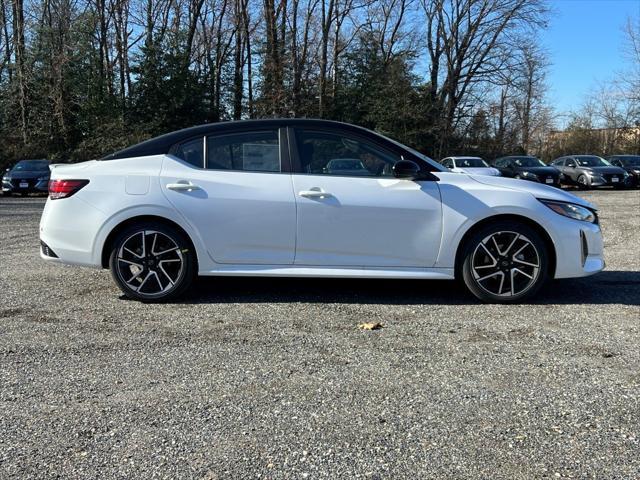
32,165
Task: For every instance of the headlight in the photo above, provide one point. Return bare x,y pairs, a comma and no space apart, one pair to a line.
571,210
529,175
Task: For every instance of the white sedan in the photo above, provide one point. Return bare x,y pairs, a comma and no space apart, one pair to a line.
472,165
261,198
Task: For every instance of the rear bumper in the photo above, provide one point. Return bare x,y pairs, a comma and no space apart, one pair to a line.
69,227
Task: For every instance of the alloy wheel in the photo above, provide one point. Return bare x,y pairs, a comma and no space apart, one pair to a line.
150,263
505,264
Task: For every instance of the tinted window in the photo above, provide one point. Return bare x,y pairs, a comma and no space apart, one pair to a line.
32,165
192,152
630,161
248,151
447,163
571,162
559,162
502,163
335,154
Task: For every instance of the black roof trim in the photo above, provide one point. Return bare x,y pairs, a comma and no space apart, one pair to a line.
162,144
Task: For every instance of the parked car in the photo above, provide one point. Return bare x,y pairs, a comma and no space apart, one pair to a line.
471,165
630,164
214,200
527,168
589,171
26,176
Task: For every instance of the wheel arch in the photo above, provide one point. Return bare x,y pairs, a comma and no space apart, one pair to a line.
113,234
539,229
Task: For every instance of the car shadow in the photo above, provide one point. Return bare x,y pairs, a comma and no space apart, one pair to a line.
609,287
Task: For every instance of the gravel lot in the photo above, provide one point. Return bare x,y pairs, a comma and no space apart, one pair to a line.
262,378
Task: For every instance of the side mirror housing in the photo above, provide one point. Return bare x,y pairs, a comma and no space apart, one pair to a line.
406,169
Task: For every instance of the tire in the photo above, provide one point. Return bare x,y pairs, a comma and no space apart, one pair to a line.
160,270
500,283
583,182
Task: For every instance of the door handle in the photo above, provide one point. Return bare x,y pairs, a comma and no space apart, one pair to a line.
315,192
183,186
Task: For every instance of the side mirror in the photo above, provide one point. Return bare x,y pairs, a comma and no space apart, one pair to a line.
406,169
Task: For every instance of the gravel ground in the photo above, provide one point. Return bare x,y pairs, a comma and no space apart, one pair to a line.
262,378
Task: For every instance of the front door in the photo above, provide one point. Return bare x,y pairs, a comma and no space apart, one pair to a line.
234,191
352,211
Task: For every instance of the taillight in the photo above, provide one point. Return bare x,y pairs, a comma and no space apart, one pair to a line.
64,188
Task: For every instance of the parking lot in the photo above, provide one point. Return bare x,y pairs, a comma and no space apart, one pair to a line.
272,378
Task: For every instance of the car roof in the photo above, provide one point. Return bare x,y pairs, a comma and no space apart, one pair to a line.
162,144
465,158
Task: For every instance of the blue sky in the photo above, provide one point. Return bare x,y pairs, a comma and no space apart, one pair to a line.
585,43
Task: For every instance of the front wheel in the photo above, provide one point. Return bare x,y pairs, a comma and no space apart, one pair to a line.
505,263
583,182
152,262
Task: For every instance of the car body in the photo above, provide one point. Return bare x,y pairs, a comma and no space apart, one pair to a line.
470,165
253,198
526,167
26,176
630,164
589,171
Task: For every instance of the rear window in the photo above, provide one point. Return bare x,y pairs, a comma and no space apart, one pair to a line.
192,152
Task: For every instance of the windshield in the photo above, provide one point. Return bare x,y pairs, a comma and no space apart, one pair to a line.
347,164
631,161
471,163
30,165
592,161
528,162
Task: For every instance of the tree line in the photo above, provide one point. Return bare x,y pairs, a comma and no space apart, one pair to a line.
82,78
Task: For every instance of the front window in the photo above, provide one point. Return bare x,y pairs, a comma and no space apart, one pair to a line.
471,163
592,161
335,154
528,162
31,165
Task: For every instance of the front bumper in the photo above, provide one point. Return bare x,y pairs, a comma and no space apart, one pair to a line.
580,251
30,185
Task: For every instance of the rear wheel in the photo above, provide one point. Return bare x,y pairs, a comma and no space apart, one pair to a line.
152,262
505,263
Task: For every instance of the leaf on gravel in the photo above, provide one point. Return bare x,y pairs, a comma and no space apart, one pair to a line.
370,326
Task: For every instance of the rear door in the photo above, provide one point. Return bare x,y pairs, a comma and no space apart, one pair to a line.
235,190
353,212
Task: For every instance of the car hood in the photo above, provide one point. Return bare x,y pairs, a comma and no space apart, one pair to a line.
27,174
602,170
480,171
539,170
538,190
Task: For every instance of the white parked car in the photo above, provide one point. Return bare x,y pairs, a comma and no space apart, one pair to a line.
472,165
262,198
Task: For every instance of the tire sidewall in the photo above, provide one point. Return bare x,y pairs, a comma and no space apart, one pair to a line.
183,243
473,241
